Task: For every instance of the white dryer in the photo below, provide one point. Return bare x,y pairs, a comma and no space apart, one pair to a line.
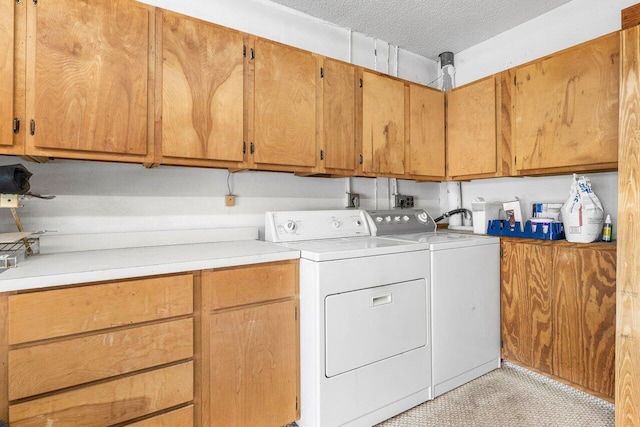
365,340
465,297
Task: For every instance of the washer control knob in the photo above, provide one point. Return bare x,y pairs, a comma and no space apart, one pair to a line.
335,224
387,218
290,226
379,219
406,218
358,223
423,217
397,218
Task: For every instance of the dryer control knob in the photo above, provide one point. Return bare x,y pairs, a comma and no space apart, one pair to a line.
335,224
290,226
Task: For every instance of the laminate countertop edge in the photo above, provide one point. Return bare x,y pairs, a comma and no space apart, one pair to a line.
42,271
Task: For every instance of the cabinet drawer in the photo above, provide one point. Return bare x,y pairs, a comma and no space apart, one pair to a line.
53,366
247,285
61,312
111,402
182,417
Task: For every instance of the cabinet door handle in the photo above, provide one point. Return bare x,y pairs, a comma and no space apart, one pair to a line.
16,125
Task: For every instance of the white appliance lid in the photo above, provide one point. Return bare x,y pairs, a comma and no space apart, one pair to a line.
352,247
445,240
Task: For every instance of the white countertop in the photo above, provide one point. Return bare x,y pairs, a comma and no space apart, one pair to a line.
45,270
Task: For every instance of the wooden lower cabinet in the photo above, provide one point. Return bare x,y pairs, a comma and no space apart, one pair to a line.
250,345
99,354
558,310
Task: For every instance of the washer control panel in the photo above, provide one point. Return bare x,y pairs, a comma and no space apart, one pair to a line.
290,226
400,221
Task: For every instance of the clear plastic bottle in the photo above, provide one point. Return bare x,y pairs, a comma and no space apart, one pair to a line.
606,229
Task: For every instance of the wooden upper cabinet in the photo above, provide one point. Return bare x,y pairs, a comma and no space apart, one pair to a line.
426,148
89,66
472,148
383,124
6,73
566,109
285,106
337,106
202,87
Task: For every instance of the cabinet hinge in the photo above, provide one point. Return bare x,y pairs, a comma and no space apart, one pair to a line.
244,51
16,125
361,83
501,252
251,148
252,54
321,72
32,127
244,147
321,154
361,159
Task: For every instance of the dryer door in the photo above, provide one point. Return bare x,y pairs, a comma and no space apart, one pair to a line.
372,324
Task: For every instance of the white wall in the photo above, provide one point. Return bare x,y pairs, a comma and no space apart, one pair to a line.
105,197
575,22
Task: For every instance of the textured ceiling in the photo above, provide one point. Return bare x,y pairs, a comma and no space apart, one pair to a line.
426,27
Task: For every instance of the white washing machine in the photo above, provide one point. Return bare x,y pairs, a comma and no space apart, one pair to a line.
365,340
465,297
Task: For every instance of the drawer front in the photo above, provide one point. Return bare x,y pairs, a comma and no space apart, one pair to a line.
111,402
182,417
247,285
52,366
61,312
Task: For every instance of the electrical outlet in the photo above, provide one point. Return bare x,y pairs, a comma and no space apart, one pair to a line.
353,200
230,200
402,201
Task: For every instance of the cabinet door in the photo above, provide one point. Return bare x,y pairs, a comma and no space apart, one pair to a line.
526,304
87,79
253,373
566,109
338,115
471,130
426,132
584,310
383,137
6,73
285,105
202,90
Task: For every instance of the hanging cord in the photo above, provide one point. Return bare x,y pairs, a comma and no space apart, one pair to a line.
229,183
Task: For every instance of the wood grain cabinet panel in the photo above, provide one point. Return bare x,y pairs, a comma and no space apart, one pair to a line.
558,310
383,124
338,137
472,147
566,109
88,86
110,402
526,304
253,375
182,417
285,105
202,90
584,309
50,366
250,345
426,156
7,28
628,261
60,312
